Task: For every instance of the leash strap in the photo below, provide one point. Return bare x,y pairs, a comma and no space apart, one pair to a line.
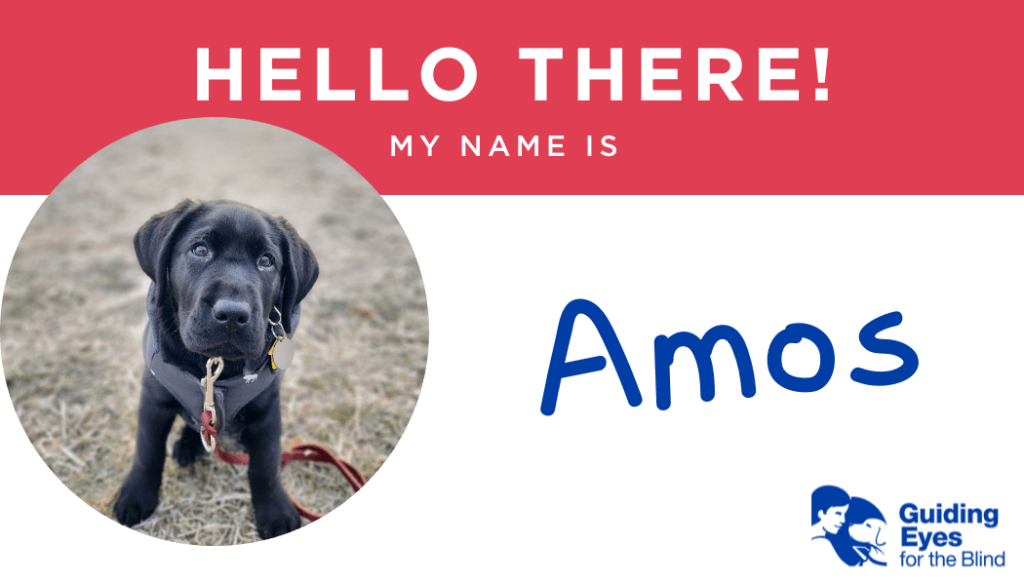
303,452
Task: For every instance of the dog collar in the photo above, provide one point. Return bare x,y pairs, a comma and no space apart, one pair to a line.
230,394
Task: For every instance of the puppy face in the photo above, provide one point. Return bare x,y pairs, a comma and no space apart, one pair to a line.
224,278
221,268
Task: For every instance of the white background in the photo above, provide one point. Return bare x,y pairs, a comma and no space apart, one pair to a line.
484,488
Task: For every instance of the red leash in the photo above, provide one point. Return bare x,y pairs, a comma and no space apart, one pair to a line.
303,452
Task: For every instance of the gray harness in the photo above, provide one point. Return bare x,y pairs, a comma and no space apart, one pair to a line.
230,394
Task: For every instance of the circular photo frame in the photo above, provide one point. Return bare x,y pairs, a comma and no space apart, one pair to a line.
203,239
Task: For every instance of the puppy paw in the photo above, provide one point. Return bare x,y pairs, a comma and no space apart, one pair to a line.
136,502
188,449
276,517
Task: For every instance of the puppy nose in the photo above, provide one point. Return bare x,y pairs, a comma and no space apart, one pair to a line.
231,313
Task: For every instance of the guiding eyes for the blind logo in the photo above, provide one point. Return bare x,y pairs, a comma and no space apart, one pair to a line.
853,527
855,530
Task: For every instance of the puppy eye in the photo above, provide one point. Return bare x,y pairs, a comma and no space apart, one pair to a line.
266,261
200,250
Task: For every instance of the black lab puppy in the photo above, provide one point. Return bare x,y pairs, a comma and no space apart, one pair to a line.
222,273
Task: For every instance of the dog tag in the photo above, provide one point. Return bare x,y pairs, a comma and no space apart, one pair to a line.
281,353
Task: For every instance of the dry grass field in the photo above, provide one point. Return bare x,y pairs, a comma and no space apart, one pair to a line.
74,310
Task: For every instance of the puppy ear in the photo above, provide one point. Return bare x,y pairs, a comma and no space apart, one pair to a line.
155,240
300,270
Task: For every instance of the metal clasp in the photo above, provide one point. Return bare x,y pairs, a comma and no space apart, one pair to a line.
210,405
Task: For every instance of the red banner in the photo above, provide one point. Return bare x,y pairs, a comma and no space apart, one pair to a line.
921,97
